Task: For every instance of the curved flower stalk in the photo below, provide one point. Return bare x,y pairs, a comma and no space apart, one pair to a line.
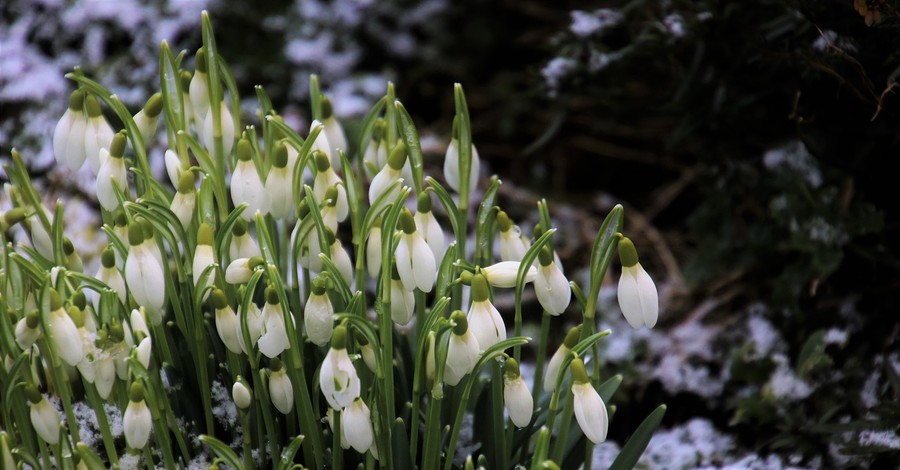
98,134
403,301
28,330
334,133
110,275
552,371
326,179
504,273
279,184
338,379
550,285
68,136
513,244
451,163
144,275
204,257
274,339
281,391
516,397
429,227
637,292
414,259
242,244
227,323
318,316
137,421
373,249
356,426
375,155
590,411
64,333
185,199
462,351
485,321
247,185
147,118
388,174
44,417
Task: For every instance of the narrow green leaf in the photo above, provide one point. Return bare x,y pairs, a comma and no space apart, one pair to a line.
222,451
632,450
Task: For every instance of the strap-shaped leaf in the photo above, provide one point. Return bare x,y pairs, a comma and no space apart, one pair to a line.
634,447
222,451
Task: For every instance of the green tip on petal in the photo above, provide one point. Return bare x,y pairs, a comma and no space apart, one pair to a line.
154,105
244,150
218,300
186,182
200,61
280,155
572,337
503,221
322,162
136,392
76,100
55,300
423,203
627,253
461,322
205,234
339,338
480,291
272,296
32,394
579,373
79,299
135,234
511,368
33,319
327,109
117,147
186,77
397,158
93,106
407,222
545,256
239,228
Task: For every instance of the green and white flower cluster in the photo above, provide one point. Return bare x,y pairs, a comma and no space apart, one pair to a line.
327,281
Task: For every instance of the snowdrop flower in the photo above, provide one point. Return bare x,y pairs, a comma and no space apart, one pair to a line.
63,333
414,259
227,324
428,226
242,244
174,167
356,426
150,240
323,145
139,323
329,210
375,155
137,421
310,249
119,345
319,314
337,379
513,244
227,125
373,249
403,301
147,118
485,321
40,236
185,199
204,257
281,391
98,134
389,174
27,331
462,351
104,375
340,258
334,134
44,417
451,163
552,371
638,298
144,348
274,339
279,184
110,275
241,394
73,260
503,274
68,136
550,285
144,275
590,411
247,186
366,351
198,88
516,397
254,327
241,270
326,178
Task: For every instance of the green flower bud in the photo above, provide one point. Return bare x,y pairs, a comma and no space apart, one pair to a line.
76,100
503,221
93,106
136,392
205,234
244,150
272,296
200,61
322,161
154,105
117,147
55,300
579,373
239,228
572,337
327,110
217,299
339,337
186,183
280,155
511,369
545,256
627,253
423,202
79,300
108,258
480,291
135,234
397,158
407,222
460,321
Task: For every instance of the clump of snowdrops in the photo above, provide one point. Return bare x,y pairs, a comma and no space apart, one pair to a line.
352,322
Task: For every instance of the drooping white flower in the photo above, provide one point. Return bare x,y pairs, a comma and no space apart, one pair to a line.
637,294
136,421
227,124
516,397
227,323
98,134
73,260
240,394
550,285
462,350
174,167
68,136
121,343
274,339
403,301
185,199
340,258
504,273
280,184
63,332
367,352
485,321
319,314
452,163
556,361
240,270
44,417
138,323
281,391
356,426
144,349
28,330
513,244
40,236
414,260
204,257
322,144
110,275
104,375
388,174
148,117
144,275
325,179
242,243
247,186
373,250
254,326
590,411
199,89
334,133
429,227
337,378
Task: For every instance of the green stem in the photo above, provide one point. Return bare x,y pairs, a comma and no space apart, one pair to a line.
501,438
337,452
564,425
542,354
108,441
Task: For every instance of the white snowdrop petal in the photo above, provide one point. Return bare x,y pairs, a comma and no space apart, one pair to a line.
137,424
281,391
424,266
173,167
552,371
229,328
630,299
403,303
649,297
486,324
274,340
338,379
462,354
46,421
356,426
61,136
518,401
319,319
66,337
552,289
144,277
403,261
590,412
373,252
504,273
75,153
